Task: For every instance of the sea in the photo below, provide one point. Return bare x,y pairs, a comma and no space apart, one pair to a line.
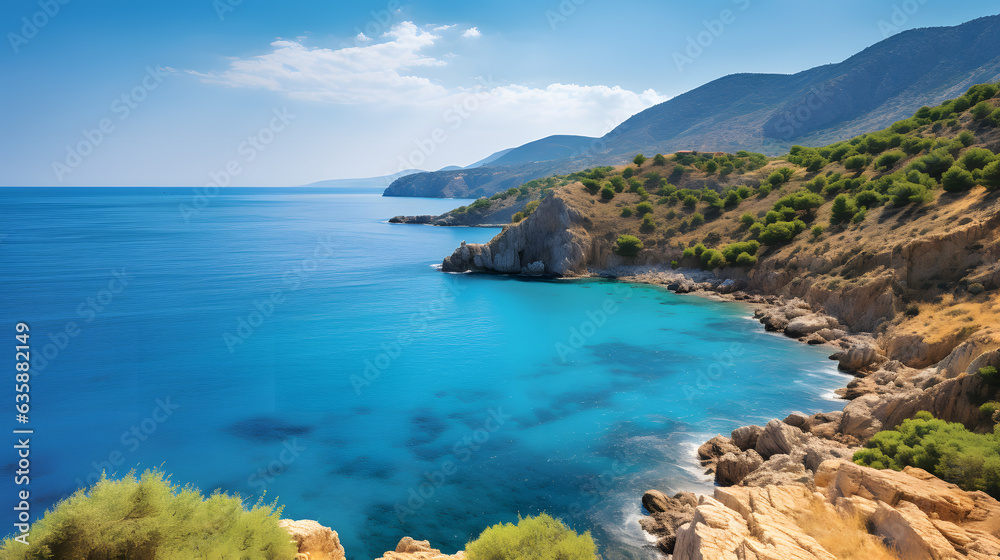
291,346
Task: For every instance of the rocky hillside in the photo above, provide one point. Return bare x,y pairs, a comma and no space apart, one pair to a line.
762,112
885,248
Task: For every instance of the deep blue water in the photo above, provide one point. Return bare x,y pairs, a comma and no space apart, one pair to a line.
305,347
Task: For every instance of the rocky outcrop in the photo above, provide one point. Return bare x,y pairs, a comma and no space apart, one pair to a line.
666,515
554,236
913,513
714,449
315,541
409,549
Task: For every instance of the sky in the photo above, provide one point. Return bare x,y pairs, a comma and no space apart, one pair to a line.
269,93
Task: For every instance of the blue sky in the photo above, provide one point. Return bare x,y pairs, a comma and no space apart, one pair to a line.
171,93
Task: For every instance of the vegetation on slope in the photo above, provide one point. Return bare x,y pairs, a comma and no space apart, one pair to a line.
533,538
945,449
150,518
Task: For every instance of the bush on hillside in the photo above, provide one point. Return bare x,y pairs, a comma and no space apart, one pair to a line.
981,110
888,159
989,374
618,183
906,192
991,175
957,180
648,224
747,220
746,260
966,138
626,212
607,193
533,538
638,160
732,251
659,159
856,163
947,450
628,245
148,517
643,208
712,259
697,219
517,217
781,232
592,186
976,158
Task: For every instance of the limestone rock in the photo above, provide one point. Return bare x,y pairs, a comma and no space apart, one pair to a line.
552,235
860,352
733,468
746,437
667,514
713,449
409,549
315,541
908,530
777,438
809,324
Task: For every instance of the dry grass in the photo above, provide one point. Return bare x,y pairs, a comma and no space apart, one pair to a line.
844,536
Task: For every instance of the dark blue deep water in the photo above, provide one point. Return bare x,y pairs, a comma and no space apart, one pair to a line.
297,344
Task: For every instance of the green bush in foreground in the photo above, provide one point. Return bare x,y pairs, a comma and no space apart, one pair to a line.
533,538
945,449
150,518
628,245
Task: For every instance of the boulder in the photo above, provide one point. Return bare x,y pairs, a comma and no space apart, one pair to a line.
910,532
732,468
746,437
809,324
797,420
315,541
777,438
713,449
667,514
860,352
409,549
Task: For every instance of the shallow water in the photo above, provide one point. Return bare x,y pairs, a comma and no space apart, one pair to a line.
298,344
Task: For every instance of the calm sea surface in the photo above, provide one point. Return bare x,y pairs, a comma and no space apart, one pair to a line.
296,345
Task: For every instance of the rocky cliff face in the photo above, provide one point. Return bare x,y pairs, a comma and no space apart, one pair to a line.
909,513
552,241
317,542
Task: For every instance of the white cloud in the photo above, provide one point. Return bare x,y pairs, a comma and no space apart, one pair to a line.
441,28
362,38
471,33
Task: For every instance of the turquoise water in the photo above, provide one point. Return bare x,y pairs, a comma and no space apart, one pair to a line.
297,344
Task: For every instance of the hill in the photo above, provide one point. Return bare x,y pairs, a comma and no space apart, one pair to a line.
763,112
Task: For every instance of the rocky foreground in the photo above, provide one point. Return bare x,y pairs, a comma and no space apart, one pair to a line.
317,542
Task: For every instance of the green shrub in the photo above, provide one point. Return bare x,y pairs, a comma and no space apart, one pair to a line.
618,183
533,538
531,207
746,260
674,265
906,192
626,212
756,229
148,517
989,375
817,231
800,200
628,173
957,179
947,450
744,191
607,193
976,158
517,217
747,220
697,219
679,169
732,251
856,163
712,259
643,208
688,253
628,245
648,224
967,138
991,175
989,409
659,159
638,160
843,209
781,232
888,159
591,185
480,204
981,110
